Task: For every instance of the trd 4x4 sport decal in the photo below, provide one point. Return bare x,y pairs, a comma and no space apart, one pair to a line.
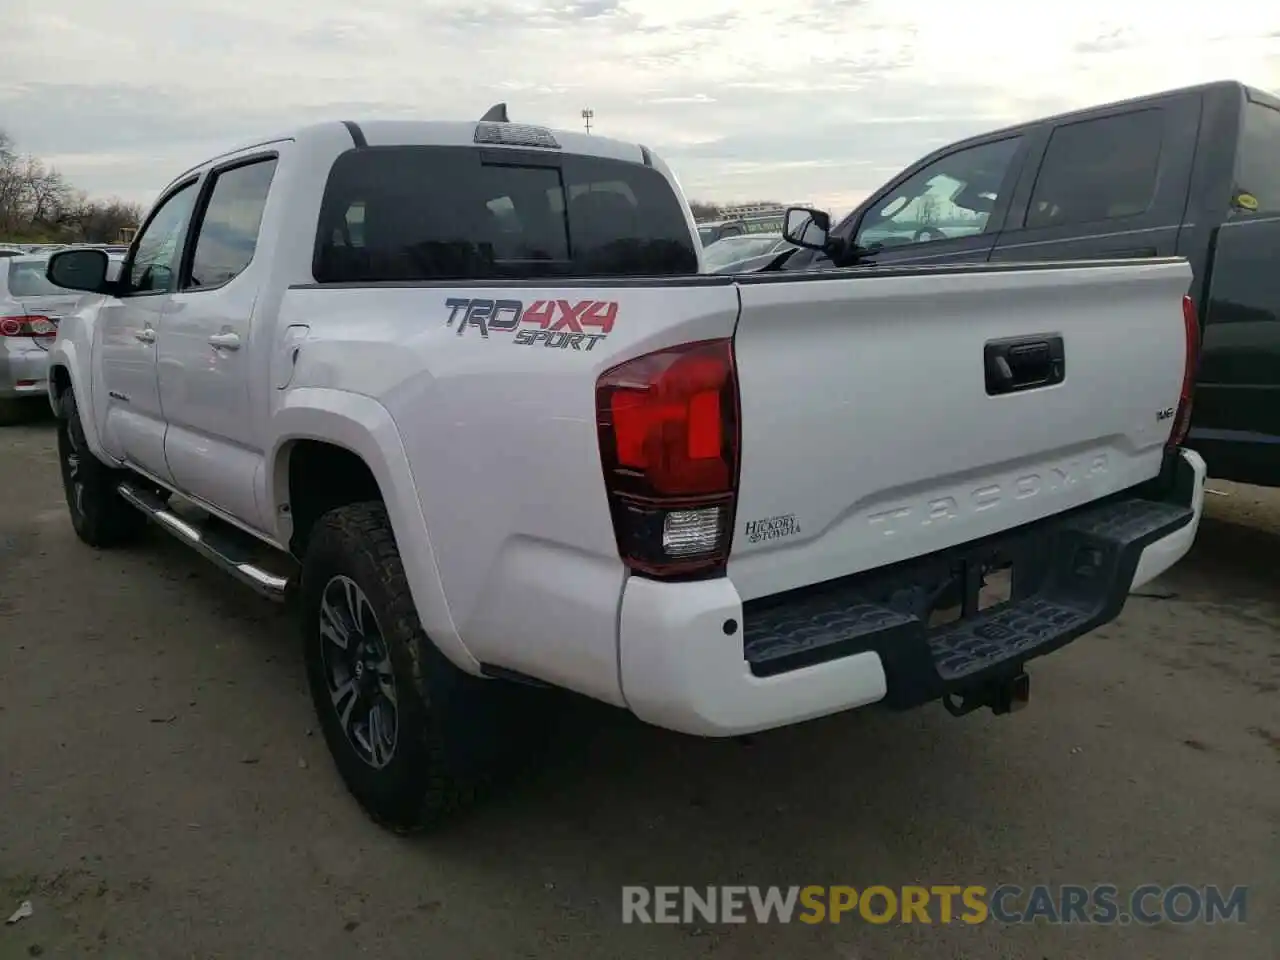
558,324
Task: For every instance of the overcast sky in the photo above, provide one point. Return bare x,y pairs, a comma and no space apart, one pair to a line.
792,100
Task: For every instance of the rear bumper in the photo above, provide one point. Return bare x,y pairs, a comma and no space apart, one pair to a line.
24,369
694,659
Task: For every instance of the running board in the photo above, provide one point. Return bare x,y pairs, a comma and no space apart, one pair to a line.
218,548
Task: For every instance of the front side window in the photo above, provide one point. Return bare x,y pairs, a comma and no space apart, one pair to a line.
952,197
1258,161
1096,170
456,213
154,263
228,231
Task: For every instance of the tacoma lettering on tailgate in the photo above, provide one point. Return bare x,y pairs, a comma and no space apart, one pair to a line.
558,324
986,497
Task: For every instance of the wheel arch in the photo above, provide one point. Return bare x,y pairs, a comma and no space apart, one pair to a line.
69,372
354,434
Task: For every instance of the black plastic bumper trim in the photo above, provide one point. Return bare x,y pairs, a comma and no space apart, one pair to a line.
1071,574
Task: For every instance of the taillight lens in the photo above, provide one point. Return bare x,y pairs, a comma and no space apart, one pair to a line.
28,325
1191,329
668,424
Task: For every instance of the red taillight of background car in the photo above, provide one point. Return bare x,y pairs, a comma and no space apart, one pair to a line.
669,445
27,325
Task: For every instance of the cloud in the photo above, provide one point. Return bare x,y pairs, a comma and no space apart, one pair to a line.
816,100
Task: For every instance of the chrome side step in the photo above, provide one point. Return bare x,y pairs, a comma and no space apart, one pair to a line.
220,550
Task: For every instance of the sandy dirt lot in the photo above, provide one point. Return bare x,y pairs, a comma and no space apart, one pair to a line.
164,791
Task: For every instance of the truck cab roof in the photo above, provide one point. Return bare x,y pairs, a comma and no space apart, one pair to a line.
1082,113
438,133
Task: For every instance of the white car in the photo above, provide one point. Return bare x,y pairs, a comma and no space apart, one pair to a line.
30,309
723,255
462,385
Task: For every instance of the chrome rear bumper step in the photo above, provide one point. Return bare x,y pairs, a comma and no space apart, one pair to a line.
216,546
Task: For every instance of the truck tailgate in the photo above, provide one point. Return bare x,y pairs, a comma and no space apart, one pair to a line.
873,431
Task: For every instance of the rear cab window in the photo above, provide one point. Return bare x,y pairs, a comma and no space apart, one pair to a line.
1095,170
413,213
1257,174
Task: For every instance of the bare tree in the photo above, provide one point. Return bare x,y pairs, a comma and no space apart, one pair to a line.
929,210
101,221
37,203
703,210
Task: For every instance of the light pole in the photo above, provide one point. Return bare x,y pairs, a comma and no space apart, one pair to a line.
587,116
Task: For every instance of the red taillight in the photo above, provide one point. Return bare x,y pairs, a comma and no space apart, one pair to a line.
668,424
30,325
1191,329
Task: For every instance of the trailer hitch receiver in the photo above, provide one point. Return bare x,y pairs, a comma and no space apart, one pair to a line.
1005,695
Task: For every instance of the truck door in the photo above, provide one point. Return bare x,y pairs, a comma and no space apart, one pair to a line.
950,210
206,356
1112,185
132,421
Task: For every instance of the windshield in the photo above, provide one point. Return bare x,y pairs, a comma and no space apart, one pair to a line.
457,213
731,249
27,279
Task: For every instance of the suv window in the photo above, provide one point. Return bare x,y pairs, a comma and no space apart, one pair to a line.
449,213
1098,170
951,197
229,228
156,250
1258,160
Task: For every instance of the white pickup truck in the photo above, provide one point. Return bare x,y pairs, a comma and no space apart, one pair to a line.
464,386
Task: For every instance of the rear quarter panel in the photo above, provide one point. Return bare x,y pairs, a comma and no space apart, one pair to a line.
1236,418
500,433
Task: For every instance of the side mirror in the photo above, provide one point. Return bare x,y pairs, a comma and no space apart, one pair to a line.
806,228
79,270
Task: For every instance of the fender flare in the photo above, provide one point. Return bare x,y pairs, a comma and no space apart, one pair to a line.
364,427
66,355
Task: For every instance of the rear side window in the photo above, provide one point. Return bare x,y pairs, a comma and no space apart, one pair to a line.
228,231
451,213
1098,170
1258,160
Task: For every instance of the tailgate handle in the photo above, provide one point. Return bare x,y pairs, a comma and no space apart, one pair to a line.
1024,363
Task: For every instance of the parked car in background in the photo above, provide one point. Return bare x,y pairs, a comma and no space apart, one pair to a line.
30,308
11,252
725,254
710,233
1193,173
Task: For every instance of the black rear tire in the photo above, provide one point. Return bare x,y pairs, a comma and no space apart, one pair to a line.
413,737
101,518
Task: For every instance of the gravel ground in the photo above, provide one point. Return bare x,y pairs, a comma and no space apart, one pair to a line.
165,792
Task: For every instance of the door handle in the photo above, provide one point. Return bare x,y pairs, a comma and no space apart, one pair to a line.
146,335
226,341
1024,363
